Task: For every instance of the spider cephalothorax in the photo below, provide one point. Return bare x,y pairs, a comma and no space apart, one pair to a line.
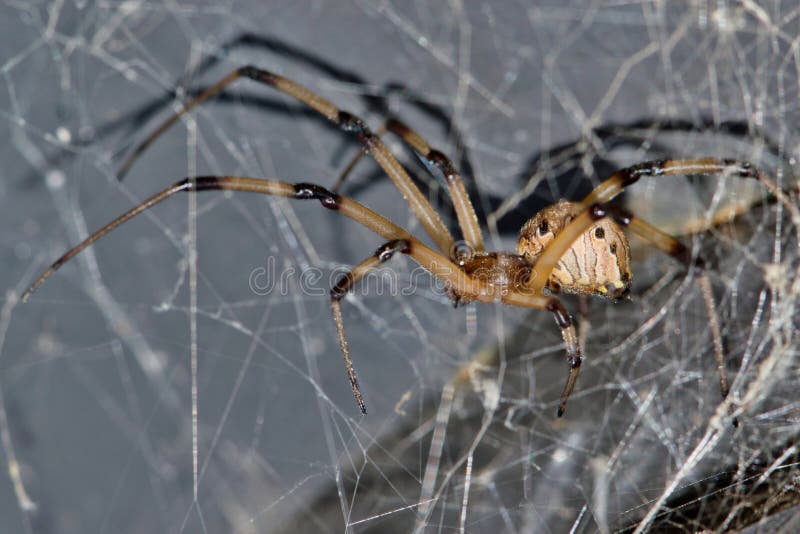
597,263
501,271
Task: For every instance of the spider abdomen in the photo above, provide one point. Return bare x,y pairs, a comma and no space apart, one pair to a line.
598,263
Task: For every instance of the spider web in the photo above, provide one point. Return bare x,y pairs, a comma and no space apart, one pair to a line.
534,103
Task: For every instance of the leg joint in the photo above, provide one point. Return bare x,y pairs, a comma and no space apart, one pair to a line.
443,163
202,183
305,191
350,123
254,73
342,286
562,317
386,251
744,169
649,168
597,211
621,217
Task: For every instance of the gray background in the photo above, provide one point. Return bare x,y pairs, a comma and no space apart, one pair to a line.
95,371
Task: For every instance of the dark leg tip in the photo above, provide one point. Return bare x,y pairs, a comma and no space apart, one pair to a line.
560,411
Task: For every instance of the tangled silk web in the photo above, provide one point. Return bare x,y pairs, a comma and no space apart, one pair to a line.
182,375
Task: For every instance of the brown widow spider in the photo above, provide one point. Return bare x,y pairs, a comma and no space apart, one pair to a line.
575,247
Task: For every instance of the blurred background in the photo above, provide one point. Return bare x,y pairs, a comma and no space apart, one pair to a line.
534,102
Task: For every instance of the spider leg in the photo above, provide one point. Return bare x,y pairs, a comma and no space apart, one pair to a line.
340,290
467,220
207,93
564,322
434,161
358,156
435,262
399,239
613,186
671,246
347,122
592,207
585,325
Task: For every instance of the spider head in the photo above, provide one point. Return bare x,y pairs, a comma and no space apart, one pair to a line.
597,263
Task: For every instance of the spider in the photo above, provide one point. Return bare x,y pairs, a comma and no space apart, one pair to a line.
572,247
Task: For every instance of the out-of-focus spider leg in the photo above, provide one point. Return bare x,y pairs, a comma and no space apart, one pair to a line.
591,208
669,245
347,122
343,285
613,186
438,161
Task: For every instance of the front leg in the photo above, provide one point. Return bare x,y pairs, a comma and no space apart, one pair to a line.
564,322
340,290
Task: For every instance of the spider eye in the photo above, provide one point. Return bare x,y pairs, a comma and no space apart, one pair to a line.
599,233
613,249
543,227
